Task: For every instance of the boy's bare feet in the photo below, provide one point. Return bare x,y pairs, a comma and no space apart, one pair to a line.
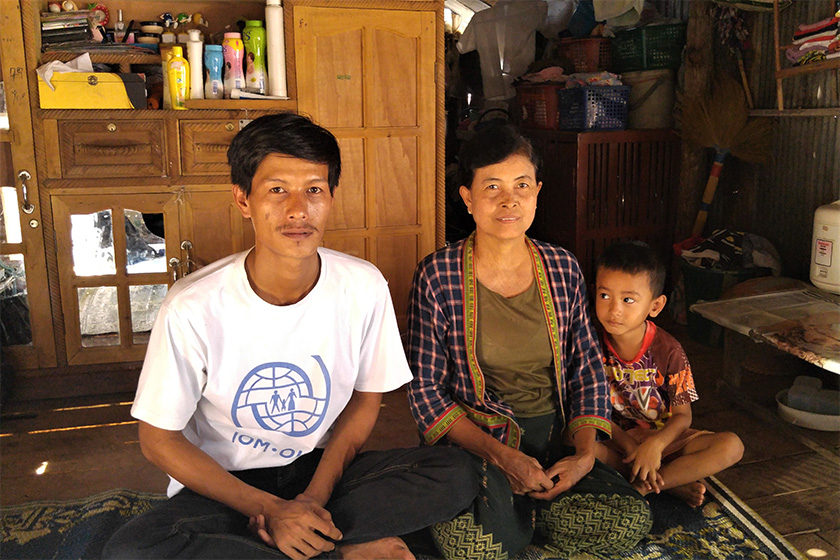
390,548
692,493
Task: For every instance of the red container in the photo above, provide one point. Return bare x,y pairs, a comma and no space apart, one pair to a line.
588,55
538,105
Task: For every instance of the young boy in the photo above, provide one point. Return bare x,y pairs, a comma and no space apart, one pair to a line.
651,386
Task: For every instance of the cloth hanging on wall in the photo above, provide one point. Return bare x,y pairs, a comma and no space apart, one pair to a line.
505,37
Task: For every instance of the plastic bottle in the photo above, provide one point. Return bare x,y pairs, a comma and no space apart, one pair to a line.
234,52
214,87
179,78
276,47
119,28
195,50
165,53
253,36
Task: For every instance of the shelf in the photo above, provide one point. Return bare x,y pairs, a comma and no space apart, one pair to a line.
5,135
103,57
243,104
808,68
814,112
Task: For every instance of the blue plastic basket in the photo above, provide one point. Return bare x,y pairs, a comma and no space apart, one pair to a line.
594,108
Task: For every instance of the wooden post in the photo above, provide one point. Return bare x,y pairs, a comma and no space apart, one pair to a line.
699,70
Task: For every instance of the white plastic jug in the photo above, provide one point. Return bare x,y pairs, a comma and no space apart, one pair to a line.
825,247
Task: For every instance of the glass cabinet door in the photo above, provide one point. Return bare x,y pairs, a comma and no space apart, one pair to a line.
117,255
26,322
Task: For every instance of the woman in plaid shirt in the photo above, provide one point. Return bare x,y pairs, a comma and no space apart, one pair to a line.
507,366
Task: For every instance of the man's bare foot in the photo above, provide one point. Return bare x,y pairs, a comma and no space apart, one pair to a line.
389,548
692,493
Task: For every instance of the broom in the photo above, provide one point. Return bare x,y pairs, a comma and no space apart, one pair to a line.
720,121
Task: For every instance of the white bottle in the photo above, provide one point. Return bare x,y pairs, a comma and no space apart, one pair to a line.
275,48
195,54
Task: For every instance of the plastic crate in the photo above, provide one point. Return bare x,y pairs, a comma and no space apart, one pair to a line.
538,105
648,48
588,55
594,108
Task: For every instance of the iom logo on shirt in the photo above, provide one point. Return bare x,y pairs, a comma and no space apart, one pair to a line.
283,397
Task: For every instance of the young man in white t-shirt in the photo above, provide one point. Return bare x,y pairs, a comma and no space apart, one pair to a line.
264,377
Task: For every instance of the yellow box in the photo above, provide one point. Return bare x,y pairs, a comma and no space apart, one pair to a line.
93,90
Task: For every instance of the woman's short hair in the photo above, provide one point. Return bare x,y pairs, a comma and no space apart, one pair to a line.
493,144
288,134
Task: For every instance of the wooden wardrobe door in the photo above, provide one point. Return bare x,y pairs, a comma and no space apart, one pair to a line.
368,75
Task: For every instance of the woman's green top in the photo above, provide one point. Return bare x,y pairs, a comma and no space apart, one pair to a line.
514,350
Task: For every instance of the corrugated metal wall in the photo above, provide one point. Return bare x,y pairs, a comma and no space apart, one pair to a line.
804,172
778,200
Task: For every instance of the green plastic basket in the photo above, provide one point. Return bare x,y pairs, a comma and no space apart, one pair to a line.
648,48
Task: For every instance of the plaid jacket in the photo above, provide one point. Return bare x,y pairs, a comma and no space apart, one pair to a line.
448,384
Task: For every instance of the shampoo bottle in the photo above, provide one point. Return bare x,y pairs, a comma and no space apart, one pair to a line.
179,78
214,87
234,51
195,57
254,38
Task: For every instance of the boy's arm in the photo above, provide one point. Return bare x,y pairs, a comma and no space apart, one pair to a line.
623,439
648,456
293,523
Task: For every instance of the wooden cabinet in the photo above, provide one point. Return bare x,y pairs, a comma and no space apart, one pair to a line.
111,148
604,187
147,193
370,77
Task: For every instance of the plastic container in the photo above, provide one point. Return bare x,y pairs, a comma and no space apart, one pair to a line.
651,103
276,47
588,55
648,48
179,78
593,108
538,105
708,284
234,52
810,420
253,36
825,247
214,86
195,55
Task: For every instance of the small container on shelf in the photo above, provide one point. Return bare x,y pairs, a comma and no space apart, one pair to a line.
588,55
538,105
593,107
648,48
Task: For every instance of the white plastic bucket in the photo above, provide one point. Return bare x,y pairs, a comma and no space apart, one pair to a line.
651,98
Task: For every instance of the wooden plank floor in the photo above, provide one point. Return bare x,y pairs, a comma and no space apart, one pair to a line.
789,475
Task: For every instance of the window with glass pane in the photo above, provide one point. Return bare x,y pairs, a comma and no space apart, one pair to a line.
92,236
145,303
15,325
144,243
99,319
9,216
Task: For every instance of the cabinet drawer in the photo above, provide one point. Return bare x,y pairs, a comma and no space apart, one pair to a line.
112,148
204,146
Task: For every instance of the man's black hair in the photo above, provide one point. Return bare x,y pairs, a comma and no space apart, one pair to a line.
283,133
635,257
493,144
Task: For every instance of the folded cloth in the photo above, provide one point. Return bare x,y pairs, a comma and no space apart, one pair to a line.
823,37
813,56
833,55
818,24
825,28
795,55
550,74
593,79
